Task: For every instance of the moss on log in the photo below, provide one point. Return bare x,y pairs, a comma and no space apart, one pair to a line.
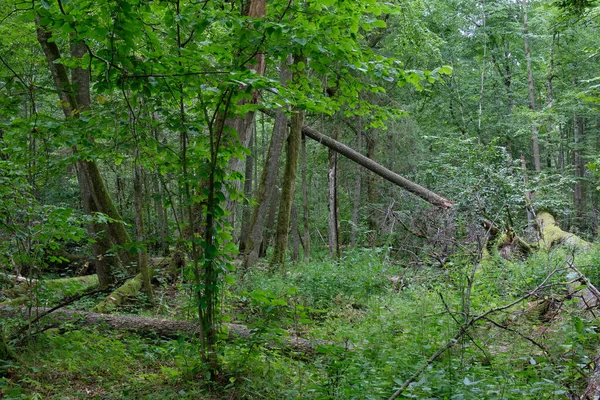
129,289
551,234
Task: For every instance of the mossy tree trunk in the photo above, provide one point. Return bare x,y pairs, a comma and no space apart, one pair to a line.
289,181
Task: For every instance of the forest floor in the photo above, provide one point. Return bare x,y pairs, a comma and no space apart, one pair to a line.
385,318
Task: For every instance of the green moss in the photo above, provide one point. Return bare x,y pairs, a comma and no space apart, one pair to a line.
129,289
551,234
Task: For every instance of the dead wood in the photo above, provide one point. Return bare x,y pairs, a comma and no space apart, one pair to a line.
162,327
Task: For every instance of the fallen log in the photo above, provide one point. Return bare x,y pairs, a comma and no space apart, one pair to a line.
163,327
130,288
62,286
551,234
416,189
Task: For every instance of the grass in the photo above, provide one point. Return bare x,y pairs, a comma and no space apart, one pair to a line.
387,320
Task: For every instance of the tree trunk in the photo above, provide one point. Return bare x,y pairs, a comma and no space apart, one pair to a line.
269,231
579,165
247,213
332,200
305,212
161,327
371,192
267,182
357,184
295,236
534,128
95,197
243,125
288,185
143,269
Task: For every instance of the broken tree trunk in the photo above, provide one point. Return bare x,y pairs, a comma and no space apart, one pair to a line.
551,234
418,190
161,327
130,288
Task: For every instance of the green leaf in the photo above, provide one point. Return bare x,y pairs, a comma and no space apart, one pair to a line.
379,23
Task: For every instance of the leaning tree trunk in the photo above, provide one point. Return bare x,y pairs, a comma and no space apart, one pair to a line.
418,190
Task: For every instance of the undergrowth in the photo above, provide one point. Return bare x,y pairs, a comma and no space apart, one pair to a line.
381,321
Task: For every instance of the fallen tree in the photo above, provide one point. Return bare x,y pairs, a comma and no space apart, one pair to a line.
416,189
162,327
130,288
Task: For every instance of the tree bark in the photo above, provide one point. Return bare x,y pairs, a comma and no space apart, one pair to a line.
418,190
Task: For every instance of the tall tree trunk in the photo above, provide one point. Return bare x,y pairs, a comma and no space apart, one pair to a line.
289,181
357,184
267,182
371,192
332,200
242,125
534,128
247,213
305,211
579,165
95,197
143,268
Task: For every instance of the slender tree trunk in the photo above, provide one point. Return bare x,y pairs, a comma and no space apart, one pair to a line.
267,182
247,213
579,165
371,192
357,184
305,210
334,247
534,128
295,236
143,268
289,181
